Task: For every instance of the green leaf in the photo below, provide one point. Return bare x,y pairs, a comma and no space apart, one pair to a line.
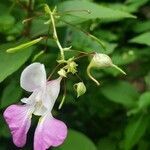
12,62
143,145
135,130
124,58
38,27
106,35
6,22
11,94
80,40
77,141
121,92
17,29
89,10
141,26
134,5
147,80
142,104
143,38
4,132
144,100
106,144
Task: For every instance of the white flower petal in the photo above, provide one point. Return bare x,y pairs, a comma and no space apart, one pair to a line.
32,99
24,100
51,94
33,77
40,110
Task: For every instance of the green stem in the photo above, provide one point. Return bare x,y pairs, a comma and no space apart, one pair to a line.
86,33
72,50
119,69
53,71
63,98
56,37
91,77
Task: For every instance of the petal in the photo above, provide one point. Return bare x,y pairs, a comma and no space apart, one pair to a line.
33,98
49,132
18,118
52,92
40,110
33,77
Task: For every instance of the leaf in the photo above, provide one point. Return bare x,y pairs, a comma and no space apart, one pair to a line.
135,130
143,38
147,80
11,94
12,62
77,141
106,144
89,10
4,132
38,27
134,5
143,145
144,100
142,104
141,26
17,29
124,58
6,22
106,35
121,92
82,41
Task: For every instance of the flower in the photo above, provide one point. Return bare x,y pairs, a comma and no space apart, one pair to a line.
49,131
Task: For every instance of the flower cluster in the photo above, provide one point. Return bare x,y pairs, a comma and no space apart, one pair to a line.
49,131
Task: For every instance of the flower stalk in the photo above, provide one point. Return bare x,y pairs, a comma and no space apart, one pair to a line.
55,36
90,76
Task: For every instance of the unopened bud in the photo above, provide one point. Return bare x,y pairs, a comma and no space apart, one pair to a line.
62,73
100,60
80,88
72,67
47,9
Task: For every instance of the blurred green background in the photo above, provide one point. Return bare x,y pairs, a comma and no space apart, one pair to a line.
113,116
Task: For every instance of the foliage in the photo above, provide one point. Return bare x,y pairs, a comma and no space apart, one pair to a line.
112,116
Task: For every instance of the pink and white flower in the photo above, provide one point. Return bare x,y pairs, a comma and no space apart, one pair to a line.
49,131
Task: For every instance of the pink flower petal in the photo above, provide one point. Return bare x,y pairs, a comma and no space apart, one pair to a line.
49,132
33,77
18,118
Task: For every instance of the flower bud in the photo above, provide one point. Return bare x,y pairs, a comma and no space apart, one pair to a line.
100,60
62,73
80,88
72,67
